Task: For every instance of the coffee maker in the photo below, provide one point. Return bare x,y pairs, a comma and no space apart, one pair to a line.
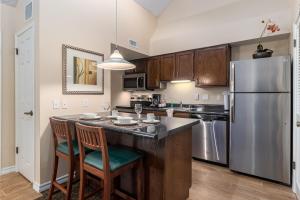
156,98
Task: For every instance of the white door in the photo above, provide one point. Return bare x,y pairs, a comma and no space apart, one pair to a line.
24,80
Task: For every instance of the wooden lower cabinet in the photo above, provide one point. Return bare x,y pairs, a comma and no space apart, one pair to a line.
182,115
164,113
156,113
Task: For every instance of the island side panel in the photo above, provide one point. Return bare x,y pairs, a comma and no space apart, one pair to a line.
168,164
154,151
178,166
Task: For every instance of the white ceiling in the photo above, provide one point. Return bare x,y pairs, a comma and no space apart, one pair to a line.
156,7
9,2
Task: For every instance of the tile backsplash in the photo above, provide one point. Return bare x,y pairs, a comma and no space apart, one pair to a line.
189,94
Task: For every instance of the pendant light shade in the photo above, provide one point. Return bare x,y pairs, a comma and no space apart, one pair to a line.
116,61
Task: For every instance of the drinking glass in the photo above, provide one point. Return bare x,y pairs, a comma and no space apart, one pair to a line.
106,106
138,108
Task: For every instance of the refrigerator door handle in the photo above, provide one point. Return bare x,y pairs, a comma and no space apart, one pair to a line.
232,78
232,110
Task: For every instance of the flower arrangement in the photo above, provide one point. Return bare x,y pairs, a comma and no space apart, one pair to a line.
272,28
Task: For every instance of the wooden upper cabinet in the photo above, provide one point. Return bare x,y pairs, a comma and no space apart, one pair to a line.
153,73
184,65
211,67
141,66
167,67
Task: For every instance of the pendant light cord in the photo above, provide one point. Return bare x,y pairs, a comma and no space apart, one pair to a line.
116,24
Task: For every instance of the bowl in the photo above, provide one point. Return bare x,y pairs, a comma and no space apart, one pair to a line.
89,115
124,120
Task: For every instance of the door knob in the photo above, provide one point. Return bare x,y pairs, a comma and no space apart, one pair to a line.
298,123
29,113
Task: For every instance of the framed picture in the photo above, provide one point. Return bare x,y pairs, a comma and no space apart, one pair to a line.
80,72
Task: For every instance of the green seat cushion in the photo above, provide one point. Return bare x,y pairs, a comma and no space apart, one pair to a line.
63,147
118,157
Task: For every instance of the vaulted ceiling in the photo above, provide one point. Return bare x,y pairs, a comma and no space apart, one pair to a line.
156,7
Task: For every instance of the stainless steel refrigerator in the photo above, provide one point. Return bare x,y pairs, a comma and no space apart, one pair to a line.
260,118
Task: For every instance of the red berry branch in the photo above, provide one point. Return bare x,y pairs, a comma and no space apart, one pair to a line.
270,26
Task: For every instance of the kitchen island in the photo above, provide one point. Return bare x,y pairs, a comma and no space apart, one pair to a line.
168,153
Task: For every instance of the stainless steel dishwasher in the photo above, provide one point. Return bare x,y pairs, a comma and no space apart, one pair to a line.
210,138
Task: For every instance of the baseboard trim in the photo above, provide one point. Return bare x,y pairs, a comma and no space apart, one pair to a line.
45,186
7,170
297,188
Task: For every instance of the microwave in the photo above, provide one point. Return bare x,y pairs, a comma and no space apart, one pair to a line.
134,82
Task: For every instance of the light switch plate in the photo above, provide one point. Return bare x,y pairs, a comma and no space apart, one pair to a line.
85,103
56,104
64,104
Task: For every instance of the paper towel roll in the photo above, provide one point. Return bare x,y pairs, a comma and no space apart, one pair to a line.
226,100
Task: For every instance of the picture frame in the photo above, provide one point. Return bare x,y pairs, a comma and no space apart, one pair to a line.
80,72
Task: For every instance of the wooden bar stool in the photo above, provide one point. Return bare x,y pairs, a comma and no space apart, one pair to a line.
67,150
107,163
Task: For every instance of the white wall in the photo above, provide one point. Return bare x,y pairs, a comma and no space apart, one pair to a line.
88,25
187,24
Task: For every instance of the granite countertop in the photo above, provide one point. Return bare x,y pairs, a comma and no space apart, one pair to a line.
165,128
206,110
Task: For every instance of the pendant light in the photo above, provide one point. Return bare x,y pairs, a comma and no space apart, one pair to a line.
116,61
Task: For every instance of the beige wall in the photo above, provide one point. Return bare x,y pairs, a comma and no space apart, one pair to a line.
88,25
185,92
244,50
118,96
186,25
8,14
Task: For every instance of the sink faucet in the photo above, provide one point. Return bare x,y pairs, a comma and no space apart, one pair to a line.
181,105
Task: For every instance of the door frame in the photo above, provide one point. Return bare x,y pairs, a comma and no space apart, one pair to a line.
1,164
295,135
29,26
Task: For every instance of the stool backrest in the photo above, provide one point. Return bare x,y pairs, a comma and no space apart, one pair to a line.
60,130
93,138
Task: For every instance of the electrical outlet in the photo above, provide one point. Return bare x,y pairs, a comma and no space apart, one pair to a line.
85,103
196,97
56,104
64,104
205,97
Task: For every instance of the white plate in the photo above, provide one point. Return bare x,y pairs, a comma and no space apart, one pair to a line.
112,117
116,122
151,121
90,118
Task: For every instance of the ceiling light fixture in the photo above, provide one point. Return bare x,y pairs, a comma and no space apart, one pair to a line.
181,81
116,61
